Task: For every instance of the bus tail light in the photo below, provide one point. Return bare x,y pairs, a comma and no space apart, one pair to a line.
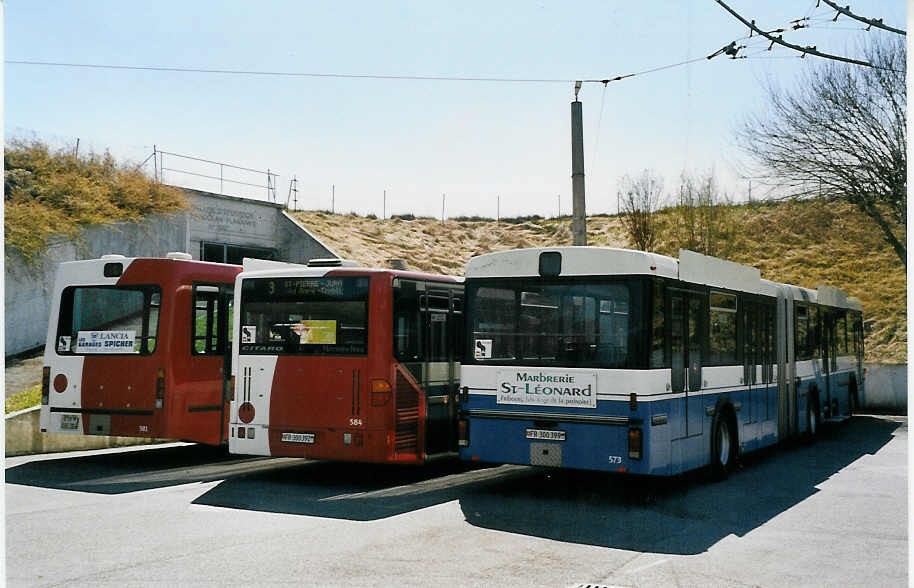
380,392
45,384
232,388
160,388
463,433
634,443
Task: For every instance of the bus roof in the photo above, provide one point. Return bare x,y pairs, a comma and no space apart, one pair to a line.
92,271
691,267
576,261
302,271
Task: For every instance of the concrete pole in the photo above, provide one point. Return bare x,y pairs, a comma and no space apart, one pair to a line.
578,215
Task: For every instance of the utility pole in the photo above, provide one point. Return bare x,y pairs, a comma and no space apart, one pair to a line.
558,197
332,198
293,193
155,164
497,209
578,216
76,154
384,207
442,208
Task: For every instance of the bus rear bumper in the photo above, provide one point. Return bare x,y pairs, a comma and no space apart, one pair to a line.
600,446
358,445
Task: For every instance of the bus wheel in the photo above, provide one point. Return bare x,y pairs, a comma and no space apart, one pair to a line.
723,452
812,416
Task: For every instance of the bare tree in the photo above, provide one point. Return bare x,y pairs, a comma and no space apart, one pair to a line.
640,199
840,134
702,219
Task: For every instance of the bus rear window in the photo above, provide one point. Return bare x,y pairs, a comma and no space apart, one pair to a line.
108,320
563,324
304,316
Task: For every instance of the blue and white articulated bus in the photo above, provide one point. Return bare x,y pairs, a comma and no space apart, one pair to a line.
618,360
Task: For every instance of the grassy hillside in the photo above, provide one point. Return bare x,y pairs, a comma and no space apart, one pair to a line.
53,192
802,243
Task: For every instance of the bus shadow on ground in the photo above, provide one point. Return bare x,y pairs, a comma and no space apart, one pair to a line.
356,491
684,515
132,469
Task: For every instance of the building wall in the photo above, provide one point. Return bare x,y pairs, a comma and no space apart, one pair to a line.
211,217
886,389
227,219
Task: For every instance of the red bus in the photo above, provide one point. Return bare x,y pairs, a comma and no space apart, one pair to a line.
137,347
335,361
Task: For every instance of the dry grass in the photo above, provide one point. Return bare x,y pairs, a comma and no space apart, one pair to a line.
50,193
802,243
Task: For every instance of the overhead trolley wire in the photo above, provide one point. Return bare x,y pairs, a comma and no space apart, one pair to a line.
290,74
357,76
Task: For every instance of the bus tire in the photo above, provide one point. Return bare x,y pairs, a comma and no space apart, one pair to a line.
723,444
812,414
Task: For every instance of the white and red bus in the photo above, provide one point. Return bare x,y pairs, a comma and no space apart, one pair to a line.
137,347
336,361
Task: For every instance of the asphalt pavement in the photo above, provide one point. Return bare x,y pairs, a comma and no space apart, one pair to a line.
833,513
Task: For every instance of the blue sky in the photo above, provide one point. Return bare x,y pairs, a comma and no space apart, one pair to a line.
415,139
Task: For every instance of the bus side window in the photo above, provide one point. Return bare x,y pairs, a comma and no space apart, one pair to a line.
659,355
152,321
801,332
407,339
438,307
207,313
230,310
457,329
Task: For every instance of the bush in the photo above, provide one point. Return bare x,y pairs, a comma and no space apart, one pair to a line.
516,220
25,399
472,219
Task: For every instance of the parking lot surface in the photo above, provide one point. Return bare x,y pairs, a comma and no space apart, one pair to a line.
833,513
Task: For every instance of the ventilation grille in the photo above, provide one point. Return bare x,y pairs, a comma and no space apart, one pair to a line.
406,439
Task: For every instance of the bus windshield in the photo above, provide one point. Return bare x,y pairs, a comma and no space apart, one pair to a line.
532,323
304,316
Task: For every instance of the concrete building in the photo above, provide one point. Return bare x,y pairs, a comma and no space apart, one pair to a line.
214,228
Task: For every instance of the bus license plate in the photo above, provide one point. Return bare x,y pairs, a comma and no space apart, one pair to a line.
69,422
298,437
545,435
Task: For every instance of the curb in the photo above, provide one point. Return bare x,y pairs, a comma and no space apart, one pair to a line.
24,437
